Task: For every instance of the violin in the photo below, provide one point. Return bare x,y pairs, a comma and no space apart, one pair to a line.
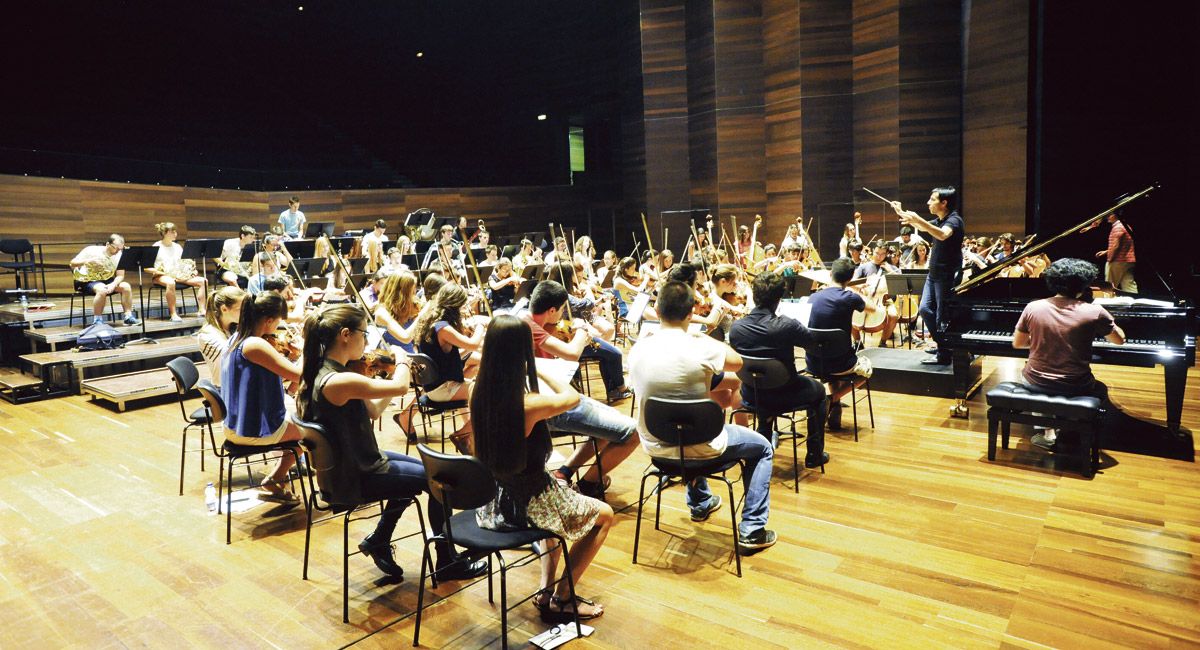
286,341
374,363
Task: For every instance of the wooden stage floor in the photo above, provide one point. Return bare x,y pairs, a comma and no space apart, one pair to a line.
911,539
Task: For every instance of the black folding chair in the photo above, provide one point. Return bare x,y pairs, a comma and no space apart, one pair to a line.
464,483
681,423
835,344
186,375
764,374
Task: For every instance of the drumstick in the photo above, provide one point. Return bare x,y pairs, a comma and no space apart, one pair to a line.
877,196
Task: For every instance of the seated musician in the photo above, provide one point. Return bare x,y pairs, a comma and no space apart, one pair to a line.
1058,332
440,334
491,255
503,284
96,272
793,236
266,269
628,283
394,262
677,365
728,297
234,272
919,259
372,246
292,219
345,403
769,262
524,257
763,334
515,445
445,246
370,290
614,433
559,253
252,387
833,307
220,323
584,303
908,236
170,269
854,252
396,311
1007,248
273,245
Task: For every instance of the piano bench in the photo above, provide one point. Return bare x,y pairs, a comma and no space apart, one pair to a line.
1012,402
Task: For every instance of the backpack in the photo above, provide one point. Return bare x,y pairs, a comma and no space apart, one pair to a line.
99,336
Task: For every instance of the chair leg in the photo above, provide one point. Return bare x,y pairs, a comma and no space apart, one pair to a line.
229,505
308,522
426,561
796,458
504,600
870,408
658,501
1006,428
637,530
183,458
854,407
346,566
733,525
491,589
562,543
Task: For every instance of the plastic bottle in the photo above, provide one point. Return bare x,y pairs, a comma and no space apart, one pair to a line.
210,498
24,301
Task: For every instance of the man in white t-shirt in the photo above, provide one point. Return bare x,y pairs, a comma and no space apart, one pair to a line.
674,364
95,270
372,246
292,219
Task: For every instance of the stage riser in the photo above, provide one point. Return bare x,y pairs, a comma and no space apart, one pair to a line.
899,370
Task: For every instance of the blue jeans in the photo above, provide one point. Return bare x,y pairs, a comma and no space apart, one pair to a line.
610,363
932,310
404,479
746,445
595,420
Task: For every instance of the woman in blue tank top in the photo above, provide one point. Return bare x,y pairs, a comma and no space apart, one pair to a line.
252,387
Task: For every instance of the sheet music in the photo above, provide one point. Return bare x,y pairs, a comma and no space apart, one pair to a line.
798,309
560,369
638,308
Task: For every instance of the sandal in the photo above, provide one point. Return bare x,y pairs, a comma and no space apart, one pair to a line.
462,442
543,606
410,434
556,613
277,492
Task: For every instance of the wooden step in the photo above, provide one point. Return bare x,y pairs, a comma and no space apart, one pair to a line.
120,389
50,365
18,388
53,337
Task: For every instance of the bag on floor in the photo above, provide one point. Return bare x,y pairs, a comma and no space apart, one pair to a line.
99,336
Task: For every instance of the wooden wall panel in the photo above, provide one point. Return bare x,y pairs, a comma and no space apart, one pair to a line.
665,106
702,106
741,144
782,114
876,39
64,215
995,116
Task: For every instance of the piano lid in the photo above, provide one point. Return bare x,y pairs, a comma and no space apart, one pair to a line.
993,271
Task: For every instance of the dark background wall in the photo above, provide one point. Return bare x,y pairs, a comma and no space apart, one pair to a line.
1041,113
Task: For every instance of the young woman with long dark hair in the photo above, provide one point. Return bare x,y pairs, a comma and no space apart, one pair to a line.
513,442
345,403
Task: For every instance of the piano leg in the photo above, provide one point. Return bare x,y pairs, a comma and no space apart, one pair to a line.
964,383
1175,374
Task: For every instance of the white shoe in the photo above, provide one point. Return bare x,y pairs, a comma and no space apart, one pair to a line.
176,319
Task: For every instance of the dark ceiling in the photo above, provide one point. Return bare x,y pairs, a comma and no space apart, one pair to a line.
259,89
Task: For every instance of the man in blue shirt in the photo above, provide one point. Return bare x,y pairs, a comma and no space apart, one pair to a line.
945,260
763,334
832,308
292,219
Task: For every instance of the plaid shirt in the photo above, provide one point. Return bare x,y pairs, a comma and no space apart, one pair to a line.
1120,244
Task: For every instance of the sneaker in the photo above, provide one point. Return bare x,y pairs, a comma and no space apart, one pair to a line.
702,513
175,318
593,490
620,394
132,319
96,320
814,461
1039,440
756,541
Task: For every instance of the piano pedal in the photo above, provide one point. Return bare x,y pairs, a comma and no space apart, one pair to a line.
960,410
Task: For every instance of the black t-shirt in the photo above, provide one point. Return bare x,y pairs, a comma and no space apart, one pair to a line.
945,260
832,309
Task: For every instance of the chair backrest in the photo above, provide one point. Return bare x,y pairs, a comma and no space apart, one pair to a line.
457,482
827,344
323,459
212,399
683,422
424,371
16,246
763,373
184,372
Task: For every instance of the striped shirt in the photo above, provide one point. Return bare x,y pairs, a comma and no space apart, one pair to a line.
1120,244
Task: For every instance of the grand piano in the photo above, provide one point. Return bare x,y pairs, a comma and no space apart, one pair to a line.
983,312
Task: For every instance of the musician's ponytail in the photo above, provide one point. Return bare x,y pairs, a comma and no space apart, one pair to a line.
320,329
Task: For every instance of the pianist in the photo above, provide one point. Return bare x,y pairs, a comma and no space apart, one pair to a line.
1058,332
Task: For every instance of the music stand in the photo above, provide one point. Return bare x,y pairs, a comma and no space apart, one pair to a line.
485,274
342,245
137,258
905,283
305,248
194,249
524,290
532,271
411,261
314,229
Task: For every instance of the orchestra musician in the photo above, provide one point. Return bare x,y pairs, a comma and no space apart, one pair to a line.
920,257
372,246
1058,332
503,284
345,403
628,283
266,269
794,235
763,334
397,309
748,257
524,257
833,307
612,431
445,245
850,234
234,272
170,269
908,237
945,261
95,272
292,219
274,245
220,323
491,255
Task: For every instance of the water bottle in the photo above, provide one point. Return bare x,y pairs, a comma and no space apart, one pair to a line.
24,301
210,498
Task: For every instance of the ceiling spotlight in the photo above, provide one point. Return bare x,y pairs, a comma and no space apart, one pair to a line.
542,117
300,8
420,54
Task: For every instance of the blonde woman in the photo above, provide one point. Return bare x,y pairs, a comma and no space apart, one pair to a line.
224,310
